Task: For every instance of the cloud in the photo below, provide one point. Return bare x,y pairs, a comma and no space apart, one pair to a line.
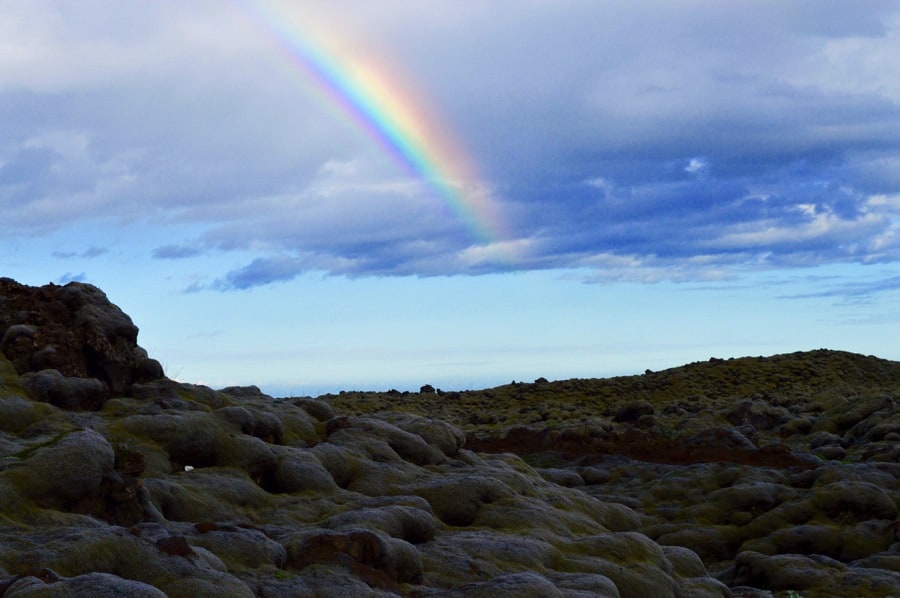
174,252
70,277
696,165
89,253
262,271
93,251
55,178
639,141
855,291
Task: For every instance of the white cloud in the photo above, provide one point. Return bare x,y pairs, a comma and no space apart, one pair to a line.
856,64
696,165
824,226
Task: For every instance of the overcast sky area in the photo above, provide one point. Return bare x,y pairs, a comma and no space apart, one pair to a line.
320,195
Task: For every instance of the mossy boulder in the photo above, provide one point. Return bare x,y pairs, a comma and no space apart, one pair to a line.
61,471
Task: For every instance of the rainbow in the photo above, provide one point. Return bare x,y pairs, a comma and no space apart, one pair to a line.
388,114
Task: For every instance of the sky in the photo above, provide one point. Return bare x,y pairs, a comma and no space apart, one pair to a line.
313,196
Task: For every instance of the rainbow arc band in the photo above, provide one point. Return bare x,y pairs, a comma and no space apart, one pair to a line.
378,106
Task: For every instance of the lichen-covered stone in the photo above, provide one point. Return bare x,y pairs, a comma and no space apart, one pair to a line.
457,499
407,523
65,469
239,548
17,413
563,477
261,424
66,392
684,562
442,435
299,471
512,585
96,585
408,446
320,410
360,548
854,500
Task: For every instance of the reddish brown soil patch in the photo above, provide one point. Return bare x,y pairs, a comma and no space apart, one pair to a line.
636,444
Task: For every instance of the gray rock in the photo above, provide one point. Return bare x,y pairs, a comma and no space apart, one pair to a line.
823,438
299,471
617,517
255,422
247,453
513,585
17,413
457,499
66,392
398,559
220,585
95,585
564,477
854,500
408,446
830,453
66,469
398,521
343,464
172,395
246,392
320,410
756,497
784,572
578,585
684,562
240,548
447,438
495,548
190,438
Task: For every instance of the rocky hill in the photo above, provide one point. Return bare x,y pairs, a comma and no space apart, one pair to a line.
745,477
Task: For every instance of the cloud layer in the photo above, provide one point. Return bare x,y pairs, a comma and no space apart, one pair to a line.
645,141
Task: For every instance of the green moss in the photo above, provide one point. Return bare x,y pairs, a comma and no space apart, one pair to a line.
10,383
25,453
667,431
803,379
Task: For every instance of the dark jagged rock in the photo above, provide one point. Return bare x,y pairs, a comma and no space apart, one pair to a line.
73,330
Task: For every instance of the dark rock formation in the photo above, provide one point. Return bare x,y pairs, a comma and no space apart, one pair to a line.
67,336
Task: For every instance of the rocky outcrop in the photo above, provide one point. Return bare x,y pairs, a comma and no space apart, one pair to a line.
71,345
777,474
552,489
